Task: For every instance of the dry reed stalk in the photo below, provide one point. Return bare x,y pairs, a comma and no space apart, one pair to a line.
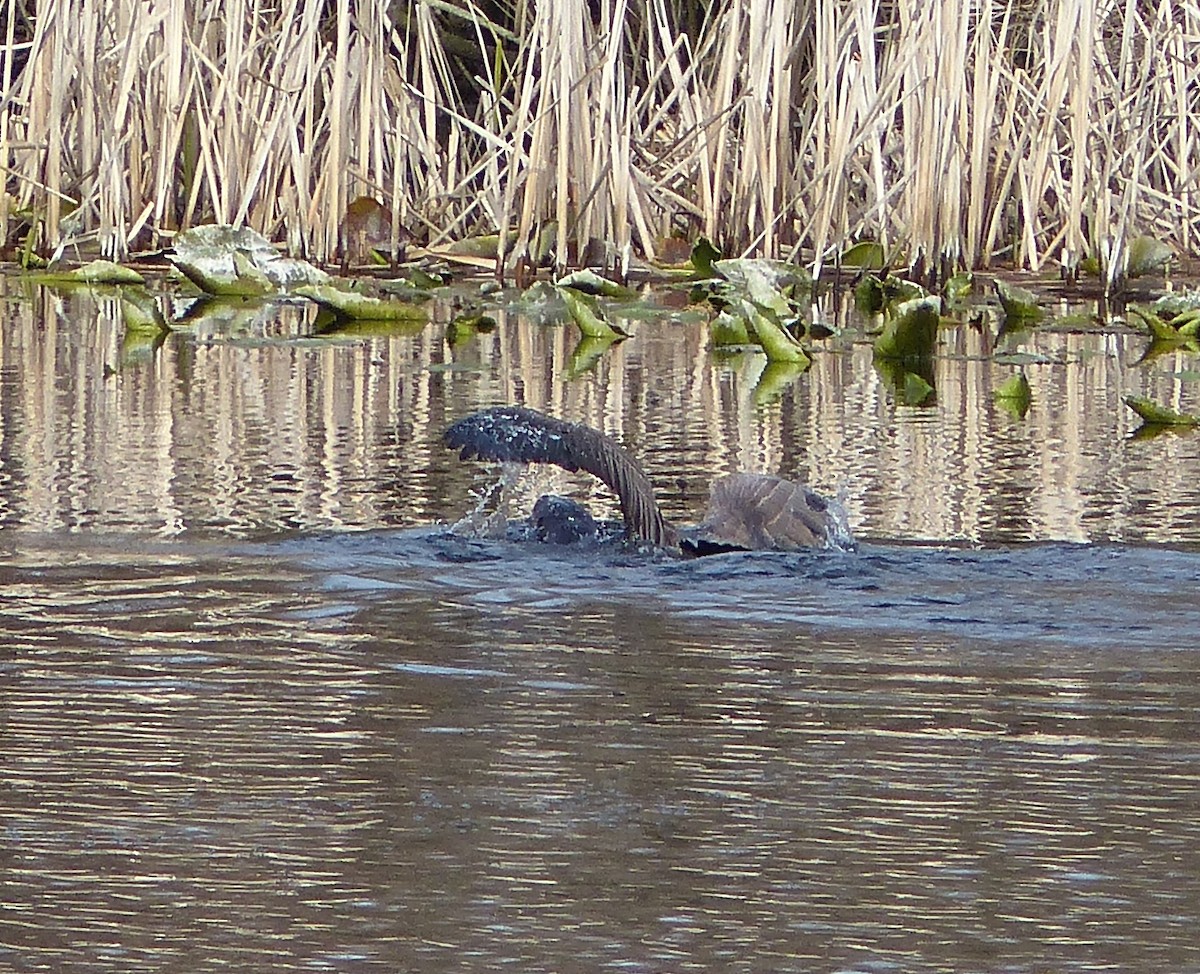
950,129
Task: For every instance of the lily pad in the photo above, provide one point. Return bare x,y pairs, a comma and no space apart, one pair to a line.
589,282
96,272
1153,414
874,294
360,307
1158,329
1014,395
704,256
866,254
141,313
1147,255
776,341
777,274
1019,304
776,379
916,390
465,327
910,332
585,312
729,329
587,353
238,262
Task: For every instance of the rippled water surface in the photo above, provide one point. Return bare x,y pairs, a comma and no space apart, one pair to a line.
258,711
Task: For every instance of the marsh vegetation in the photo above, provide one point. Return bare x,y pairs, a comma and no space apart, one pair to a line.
1027,131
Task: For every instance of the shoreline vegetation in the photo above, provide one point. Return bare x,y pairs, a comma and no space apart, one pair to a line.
1031,133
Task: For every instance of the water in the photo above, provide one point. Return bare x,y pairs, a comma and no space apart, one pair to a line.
259,710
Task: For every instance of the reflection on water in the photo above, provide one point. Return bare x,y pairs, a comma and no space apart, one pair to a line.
389,749
250,426
397,752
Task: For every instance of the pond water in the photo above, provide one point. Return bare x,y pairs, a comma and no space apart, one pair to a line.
258,709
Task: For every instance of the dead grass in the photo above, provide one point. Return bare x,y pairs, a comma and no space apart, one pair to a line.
1031,131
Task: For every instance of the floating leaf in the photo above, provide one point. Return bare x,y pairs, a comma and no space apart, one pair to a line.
465,327
1147,255
238,262
589,282
866,254
97,272
916,391
777,274
360,307
960,287
729,329
1159,330
1014,395
1019,304
587,353
1153,414
777,342
585,312
910,332
776,379
141,314
704,256
873,293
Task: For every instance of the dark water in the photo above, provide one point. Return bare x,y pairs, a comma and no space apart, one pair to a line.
239,731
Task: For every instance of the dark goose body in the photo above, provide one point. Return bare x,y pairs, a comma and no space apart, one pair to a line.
745,511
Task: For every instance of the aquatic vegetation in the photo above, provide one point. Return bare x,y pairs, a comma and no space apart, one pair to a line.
874,293
360,307
585,312
1147,255
1155,414
232,261
1020,305
910,330
867,255
93,273
1014,395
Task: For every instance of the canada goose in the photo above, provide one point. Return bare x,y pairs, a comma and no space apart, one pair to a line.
745,510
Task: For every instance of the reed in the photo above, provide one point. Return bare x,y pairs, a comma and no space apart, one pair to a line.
1030,131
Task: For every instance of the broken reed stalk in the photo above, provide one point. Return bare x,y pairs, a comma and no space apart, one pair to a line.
1039,131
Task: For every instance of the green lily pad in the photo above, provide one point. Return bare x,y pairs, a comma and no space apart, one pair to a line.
910,331
873,293
1014,395
866,254
728,329
465,327
1147,255
776,274
1154,324
704,256
141,314
238,262
776,379
96,272
586,314
587,353
589,282
1019,304
360,307
916,391
1154,414
776,341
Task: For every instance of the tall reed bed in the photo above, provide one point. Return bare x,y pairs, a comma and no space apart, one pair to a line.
1030,131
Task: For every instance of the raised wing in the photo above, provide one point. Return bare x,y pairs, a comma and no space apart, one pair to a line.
520,435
